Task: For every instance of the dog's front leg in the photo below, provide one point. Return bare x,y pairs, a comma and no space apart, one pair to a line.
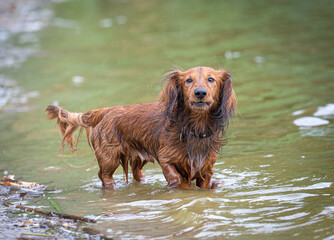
173,177
207,182
216,184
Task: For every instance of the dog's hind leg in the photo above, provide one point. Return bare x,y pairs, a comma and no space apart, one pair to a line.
108,160
137,169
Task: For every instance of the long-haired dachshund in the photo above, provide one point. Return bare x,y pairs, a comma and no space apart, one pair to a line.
183,131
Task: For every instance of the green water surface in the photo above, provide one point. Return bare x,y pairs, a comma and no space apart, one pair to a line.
278,177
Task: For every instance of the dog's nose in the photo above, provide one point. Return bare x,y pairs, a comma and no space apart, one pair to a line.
200,93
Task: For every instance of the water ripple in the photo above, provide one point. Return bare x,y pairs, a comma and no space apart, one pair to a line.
284,189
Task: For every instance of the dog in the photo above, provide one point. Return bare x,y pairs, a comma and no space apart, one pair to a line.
183,131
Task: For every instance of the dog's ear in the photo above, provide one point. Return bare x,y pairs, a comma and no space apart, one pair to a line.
171,96
227,100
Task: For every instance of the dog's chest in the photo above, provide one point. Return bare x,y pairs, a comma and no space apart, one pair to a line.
197,151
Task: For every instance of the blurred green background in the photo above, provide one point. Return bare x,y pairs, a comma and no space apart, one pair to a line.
85,54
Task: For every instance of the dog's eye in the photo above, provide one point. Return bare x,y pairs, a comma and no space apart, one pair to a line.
210,79
189,80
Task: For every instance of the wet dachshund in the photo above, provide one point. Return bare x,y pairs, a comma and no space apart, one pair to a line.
183,131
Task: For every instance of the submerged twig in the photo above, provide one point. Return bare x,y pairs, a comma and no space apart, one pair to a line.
62,215
55,205
38,235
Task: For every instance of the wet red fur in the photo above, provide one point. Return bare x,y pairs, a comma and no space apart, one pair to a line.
181,131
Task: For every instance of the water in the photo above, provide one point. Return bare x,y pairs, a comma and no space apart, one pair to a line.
278,165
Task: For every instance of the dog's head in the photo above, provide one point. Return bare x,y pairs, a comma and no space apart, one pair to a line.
199,90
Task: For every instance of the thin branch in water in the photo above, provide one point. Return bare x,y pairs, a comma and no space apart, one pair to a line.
61,215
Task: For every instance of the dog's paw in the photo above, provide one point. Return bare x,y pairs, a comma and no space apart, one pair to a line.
214,184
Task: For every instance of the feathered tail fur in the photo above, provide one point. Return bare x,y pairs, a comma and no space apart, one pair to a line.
69,122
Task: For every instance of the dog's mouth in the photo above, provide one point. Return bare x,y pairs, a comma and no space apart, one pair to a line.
200,104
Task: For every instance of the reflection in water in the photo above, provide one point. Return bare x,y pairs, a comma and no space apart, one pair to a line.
65,23
24,20
310,122
308,126
277,167
14,98
245,203
327,110
315,132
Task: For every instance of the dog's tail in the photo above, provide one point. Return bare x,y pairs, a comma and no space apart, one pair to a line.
69,122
